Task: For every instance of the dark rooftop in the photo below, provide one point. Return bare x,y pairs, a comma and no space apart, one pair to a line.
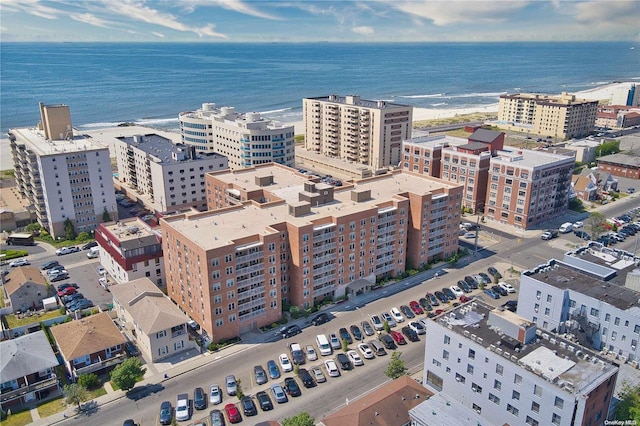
474,146
164,149
484,135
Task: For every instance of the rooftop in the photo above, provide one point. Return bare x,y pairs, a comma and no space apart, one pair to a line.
563,99
87,335
25,355
150,309
163,150
432,141
485,135
21,275
132,233
34,140
556,360
528,158
445,410
621,158
226,114
355,100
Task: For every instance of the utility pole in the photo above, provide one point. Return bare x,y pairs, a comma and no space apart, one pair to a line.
475,252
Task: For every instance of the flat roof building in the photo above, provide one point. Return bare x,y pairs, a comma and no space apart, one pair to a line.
276,235
622,164
356,130
246,139
501,366
63,175
166,176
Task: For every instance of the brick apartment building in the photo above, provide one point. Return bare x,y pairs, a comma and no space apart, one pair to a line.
279,235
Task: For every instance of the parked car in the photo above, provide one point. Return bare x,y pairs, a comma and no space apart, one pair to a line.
442,297
407,312
334,341
507,287
259,375
199,399
365,350
343,361
132,350
344,335
274,371
297,356
486,278
66,291
66,250
318,375
310,353
357,334
215,395
424,304
417,327
464,298
397,316
457,291
55,270
377,322
66,300
59,277
366,328
290,331
278,393
100,270
378,348
415,308
305,378
464,286
320,319
285,363
332,368
233,413
355,358
231,384
80,305
433,300
248,406
471,282
398,338
217,418
49,265
511,305
65,285
264,401
387,341
19,262
388,318
410,333
166,413
89,245
494,272
491,293
501,291
480,279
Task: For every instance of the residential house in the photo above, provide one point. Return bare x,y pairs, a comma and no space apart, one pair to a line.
27,369
585,188
89,345
158,326
25,287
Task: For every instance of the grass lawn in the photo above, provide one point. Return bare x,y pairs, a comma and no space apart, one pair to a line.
116,387
18,419
52,407
96,393
13,321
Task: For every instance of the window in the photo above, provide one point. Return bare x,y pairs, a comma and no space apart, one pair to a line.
617,321
549,298
476,388
515,395
178,345
556,419
460,378
594,312
477,408
559,403
497,384
472,354
531,421
494,399
513,410
445,354
537,390
161,334
469,368
538,294
447,340
517,379
499,369
535,407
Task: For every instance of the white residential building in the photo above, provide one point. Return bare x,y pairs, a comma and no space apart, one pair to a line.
164,175
501,366
64,176
245,139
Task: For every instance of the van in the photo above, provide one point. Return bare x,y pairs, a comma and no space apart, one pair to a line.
566,227
323,345
93,252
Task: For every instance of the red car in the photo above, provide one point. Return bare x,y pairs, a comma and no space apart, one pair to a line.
398,338
233,413
465,299
66,291
415,307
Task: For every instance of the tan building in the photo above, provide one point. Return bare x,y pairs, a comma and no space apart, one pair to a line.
357,130
618,116
563,116
25,287
155,322
279,235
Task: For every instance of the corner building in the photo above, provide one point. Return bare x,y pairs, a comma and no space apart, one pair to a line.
277,235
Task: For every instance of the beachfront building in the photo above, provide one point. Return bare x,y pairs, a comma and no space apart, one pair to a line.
245,139
356,130
621,164
163,175
130,249
626,94
560,117
501,366
528,187
275,235
589,295
64,176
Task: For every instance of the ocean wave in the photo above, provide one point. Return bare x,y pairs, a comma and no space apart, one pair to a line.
435,95
98,125
477,95
439,104
275,111
149,121
599,83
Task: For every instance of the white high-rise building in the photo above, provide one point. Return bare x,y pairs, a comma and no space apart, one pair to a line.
64,176
245,139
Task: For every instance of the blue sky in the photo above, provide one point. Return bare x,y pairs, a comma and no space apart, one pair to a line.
322,20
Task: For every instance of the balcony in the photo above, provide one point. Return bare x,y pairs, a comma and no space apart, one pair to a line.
249,269
100,365
47,382
244,282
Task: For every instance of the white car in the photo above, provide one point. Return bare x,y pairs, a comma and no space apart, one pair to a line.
19,262
417,327
469,235
311,353
365,350
508,287
66,250
182,407
456,290
578,225
101,271
215,395
377,322
285,363
332,368
355,358
104,282
397,316
388,318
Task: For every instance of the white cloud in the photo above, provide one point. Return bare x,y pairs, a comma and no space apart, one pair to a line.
91,19
32,7
240,7
604,11
159,35
363,30
453,12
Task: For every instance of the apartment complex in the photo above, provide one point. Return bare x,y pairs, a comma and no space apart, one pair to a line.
276,234
563,116
504,368
245,139
357,130
165,176
64,176
528,187
585,296
130,249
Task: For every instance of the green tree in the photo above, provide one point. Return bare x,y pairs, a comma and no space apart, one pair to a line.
396,367
69,230
239,393
34,228
75,394
345,345
84,236
595,224
89,381
127,374
301,419
386,327
628,408
106,217
607,148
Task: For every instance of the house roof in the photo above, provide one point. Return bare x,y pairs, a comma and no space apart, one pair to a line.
20,276
151,310
484,135
388,405
474,146
25,355
87,335
620,158
583,183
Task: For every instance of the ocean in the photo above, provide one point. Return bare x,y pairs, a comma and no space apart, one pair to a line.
151,83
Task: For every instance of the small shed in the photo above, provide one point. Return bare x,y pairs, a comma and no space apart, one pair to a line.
50,303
